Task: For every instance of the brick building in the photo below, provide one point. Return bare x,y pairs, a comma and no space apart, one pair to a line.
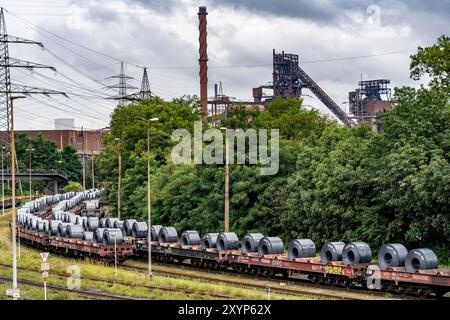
86,142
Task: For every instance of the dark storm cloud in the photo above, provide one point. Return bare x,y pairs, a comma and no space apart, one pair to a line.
329,10
311,10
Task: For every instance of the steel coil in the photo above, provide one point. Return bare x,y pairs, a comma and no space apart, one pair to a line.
128,226
112,236
84,224
209,240
74,231
57,214
356,252
301,248
102,223
227,241
88,236
66,216
392,255
331,251
71,218
270,245
92,223
190,238
250,242
155,231
110,222
62,228
53,227
81,221
32,223
46,226
98,235
419,259
167,235
118,224
40,225
140,230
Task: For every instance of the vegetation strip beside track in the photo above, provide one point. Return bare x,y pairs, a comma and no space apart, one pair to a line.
88,293
245,283
115,281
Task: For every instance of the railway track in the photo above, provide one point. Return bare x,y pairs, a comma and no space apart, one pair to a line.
83,293
302,286
274,286
130,284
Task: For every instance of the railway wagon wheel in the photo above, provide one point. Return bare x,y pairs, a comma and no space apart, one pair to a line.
440,292
242,269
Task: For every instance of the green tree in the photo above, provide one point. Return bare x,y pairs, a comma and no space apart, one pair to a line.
73,186
433,61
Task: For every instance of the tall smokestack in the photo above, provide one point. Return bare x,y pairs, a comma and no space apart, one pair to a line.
203,61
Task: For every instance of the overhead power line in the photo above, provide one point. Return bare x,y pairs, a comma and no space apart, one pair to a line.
333,59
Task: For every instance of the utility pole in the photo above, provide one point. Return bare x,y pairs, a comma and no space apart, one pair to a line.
84,161
3,181
30,150
149,204
13,193
119,181
92,169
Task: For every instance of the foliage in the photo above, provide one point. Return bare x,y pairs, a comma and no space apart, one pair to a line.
45,157
334,183
73,186
435,62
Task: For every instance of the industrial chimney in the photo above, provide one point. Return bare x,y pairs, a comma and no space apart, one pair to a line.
203,61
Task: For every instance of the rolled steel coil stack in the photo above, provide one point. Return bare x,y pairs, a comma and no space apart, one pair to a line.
128,226
227,241
270,245
209,240
155,232
139,230
331,251
190,238
301,248
250,242
356,252
112,237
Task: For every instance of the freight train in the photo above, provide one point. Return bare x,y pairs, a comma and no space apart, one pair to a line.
52,227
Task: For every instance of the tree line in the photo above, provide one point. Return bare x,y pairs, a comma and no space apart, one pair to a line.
334,183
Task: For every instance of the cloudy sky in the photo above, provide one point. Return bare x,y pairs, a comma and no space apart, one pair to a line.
338,42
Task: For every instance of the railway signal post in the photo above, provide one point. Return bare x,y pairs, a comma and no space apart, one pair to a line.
45,267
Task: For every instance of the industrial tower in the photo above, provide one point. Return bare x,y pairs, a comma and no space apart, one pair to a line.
289,80
370,98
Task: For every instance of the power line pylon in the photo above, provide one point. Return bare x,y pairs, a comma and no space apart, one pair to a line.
122,86
6,87
7,115
144,93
